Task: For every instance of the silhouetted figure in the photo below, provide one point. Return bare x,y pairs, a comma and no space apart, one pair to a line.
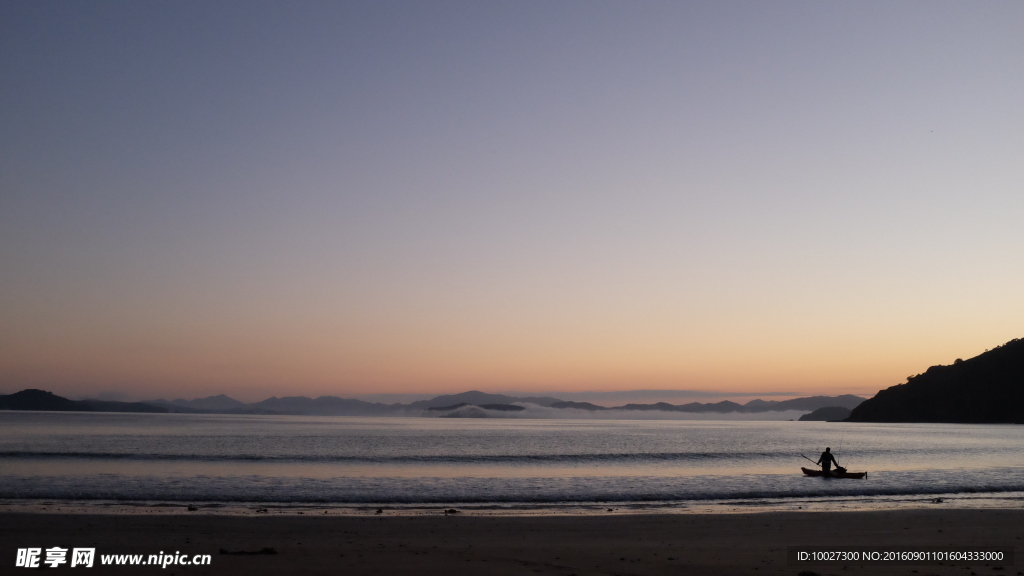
826,461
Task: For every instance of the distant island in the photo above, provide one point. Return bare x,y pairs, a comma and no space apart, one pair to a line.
32,399
472,404
827,414
986,389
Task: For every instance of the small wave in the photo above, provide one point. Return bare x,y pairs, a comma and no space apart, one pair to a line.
511,459
433,490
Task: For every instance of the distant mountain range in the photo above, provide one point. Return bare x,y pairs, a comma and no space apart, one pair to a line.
481,403
809,403
988,388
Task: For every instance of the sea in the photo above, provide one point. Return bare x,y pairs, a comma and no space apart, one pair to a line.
302,464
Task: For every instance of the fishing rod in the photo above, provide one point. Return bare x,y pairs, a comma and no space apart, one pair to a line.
816,463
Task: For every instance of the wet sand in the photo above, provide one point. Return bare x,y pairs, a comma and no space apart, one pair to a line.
675,544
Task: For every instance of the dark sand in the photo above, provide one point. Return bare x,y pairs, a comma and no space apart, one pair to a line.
464,544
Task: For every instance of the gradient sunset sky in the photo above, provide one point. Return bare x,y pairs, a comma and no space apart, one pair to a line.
306,198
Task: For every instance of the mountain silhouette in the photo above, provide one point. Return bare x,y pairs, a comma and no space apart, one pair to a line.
322,406
33,399
333,406
478,398
827,414
754,406
988,388
218,402
578,406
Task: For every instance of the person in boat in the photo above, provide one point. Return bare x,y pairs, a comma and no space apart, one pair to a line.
826,461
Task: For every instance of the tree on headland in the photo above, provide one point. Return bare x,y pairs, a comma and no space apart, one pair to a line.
988,388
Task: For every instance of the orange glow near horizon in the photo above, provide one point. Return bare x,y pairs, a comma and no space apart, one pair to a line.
255,364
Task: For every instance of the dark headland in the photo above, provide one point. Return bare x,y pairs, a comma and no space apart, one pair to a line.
827,414
986,389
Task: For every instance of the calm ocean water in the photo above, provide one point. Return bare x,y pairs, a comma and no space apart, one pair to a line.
488,462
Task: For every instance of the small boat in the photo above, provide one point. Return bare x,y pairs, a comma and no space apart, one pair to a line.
837,473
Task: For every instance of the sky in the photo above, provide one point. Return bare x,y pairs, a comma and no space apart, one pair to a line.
350,198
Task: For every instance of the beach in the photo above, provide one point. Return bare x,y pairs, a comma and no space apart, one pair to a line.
464,543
